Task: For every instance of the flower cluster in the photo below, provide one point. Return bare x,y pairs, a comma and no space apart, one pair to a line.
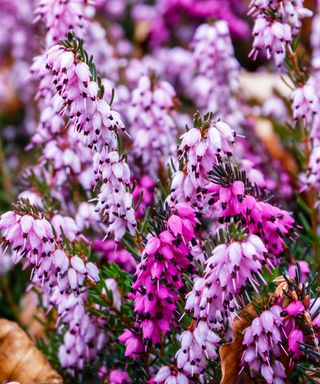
262,340
276,24
201,147
197,345
79,96
31,238
61,279
159,276
300,313
67,158
228,270
233,199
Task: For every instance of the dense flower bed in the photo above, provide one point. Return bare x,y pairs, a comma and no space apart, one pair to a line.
167,214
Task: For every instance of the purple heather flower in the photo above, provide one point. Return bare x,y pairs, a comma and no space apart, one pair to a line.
134,345
31,238
262,341
59,277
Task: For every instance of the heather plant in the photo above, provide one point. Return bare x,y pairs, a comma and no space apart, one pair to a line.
166,217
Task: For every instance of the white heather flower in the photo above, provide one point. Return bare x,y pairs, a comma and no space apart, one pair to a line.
276,24
305,103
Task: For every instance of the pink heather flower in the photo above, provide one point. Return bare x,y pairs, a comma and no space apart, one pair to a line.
272,38
262,341
158,278
64,288
152,127
67,160
159,275
295,337
145,187
87,217
263,219
92,117
134,345
114,199
166,375
33,197
294,308
276,24
102,372
304,270
312,176
315,313
114,253
139,68
119,377
82,341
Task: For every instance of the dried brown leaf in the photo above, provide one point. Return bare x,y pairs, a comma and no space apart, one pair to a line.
141,31
20,360
10,103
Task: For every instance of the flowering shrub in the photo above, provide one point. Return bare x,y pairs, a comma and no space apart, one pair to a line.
167,214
